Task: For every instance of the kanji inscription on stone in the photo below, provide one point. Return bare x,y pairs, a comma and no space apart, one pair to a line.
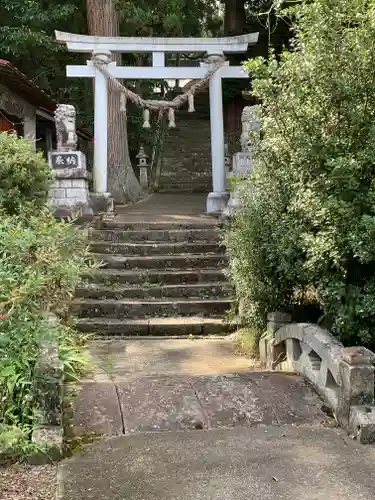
64,160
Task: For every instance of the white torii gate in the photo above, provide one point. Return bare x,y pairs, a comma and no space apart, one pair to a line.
212,47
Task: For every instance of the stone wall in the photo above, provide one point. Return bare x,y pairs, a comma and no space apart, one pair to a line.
186,159
49,392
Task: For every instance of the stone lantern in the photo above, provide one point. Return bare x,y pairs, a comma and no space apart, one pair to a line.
143,168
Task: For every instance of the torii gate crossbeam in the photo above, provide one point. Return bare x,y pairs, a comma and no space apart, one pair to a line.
213,47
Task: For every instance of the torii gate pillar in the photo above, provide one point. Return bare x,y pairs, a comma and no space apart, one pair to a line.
100,167
218,198
214,48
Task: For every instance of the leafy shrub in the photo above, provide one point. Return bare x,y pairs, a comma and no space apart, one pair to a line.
14,444
306,230
41,262
24,174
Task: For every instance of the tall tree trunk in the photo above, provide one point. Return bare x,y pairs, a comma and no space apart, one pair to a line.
102,20
234,17
234,24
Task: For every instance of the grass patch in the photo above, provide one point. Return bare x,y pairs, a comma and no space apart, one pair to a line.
247,341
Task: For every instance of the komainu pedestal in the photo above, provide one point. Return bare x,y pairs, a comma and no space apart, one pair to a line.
69,191
243,161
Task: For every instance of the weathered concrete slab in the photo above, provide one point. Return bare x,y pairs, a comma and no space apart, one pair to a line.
270,463
258,398
124,360
160,404
97,409
180,384
213,401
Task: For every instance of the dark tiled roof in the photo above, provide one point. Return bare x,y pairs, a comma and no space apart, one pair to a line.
14,79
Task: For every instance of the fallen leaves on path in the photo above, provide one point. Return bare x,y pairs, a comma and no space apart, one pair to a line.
25,482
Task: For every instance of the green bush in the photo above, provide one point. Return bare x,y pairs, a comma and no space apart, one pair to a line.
24,174
306,230
247,341
41,262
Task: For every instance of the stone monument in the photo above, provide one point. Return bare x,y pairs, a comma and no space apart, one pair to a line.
243,161
69,193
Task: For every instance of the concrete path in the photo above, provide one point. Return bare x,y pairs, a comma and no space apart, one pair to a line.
185,419
166,208
269,463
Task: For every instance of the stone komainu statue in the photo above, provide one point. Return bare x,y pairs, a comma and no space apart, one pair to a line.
250,119
65,121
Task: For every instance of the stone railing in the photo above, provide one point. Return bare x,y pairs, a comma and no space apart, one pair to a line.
344,377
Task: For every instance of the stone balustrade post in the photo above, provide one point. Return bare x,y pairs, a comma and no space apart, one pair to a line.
276,320
269,353
357,381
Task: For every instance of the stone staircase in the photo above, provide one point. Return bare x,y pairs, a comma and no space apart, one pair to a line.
186,158
156,279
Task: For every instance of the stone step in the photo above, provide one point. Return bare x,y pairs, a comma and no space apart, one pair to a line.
200,163
197,156
199,138
146,278
182,261
190,122
185,133
176,188
192,291
200,172
194,175
199,160
191,183
145,249
157,235
194,180
207,223
149,308
176,326
189,180
196,187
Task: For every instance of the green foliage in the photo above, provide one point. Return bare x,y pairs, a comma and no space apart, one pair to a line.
247,341
27,40
168,17
41,262
24,174
28,24
14,443
305,233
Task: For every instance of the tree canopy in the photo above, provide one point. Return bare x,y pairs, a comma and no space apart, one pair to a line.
306,231
27,40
